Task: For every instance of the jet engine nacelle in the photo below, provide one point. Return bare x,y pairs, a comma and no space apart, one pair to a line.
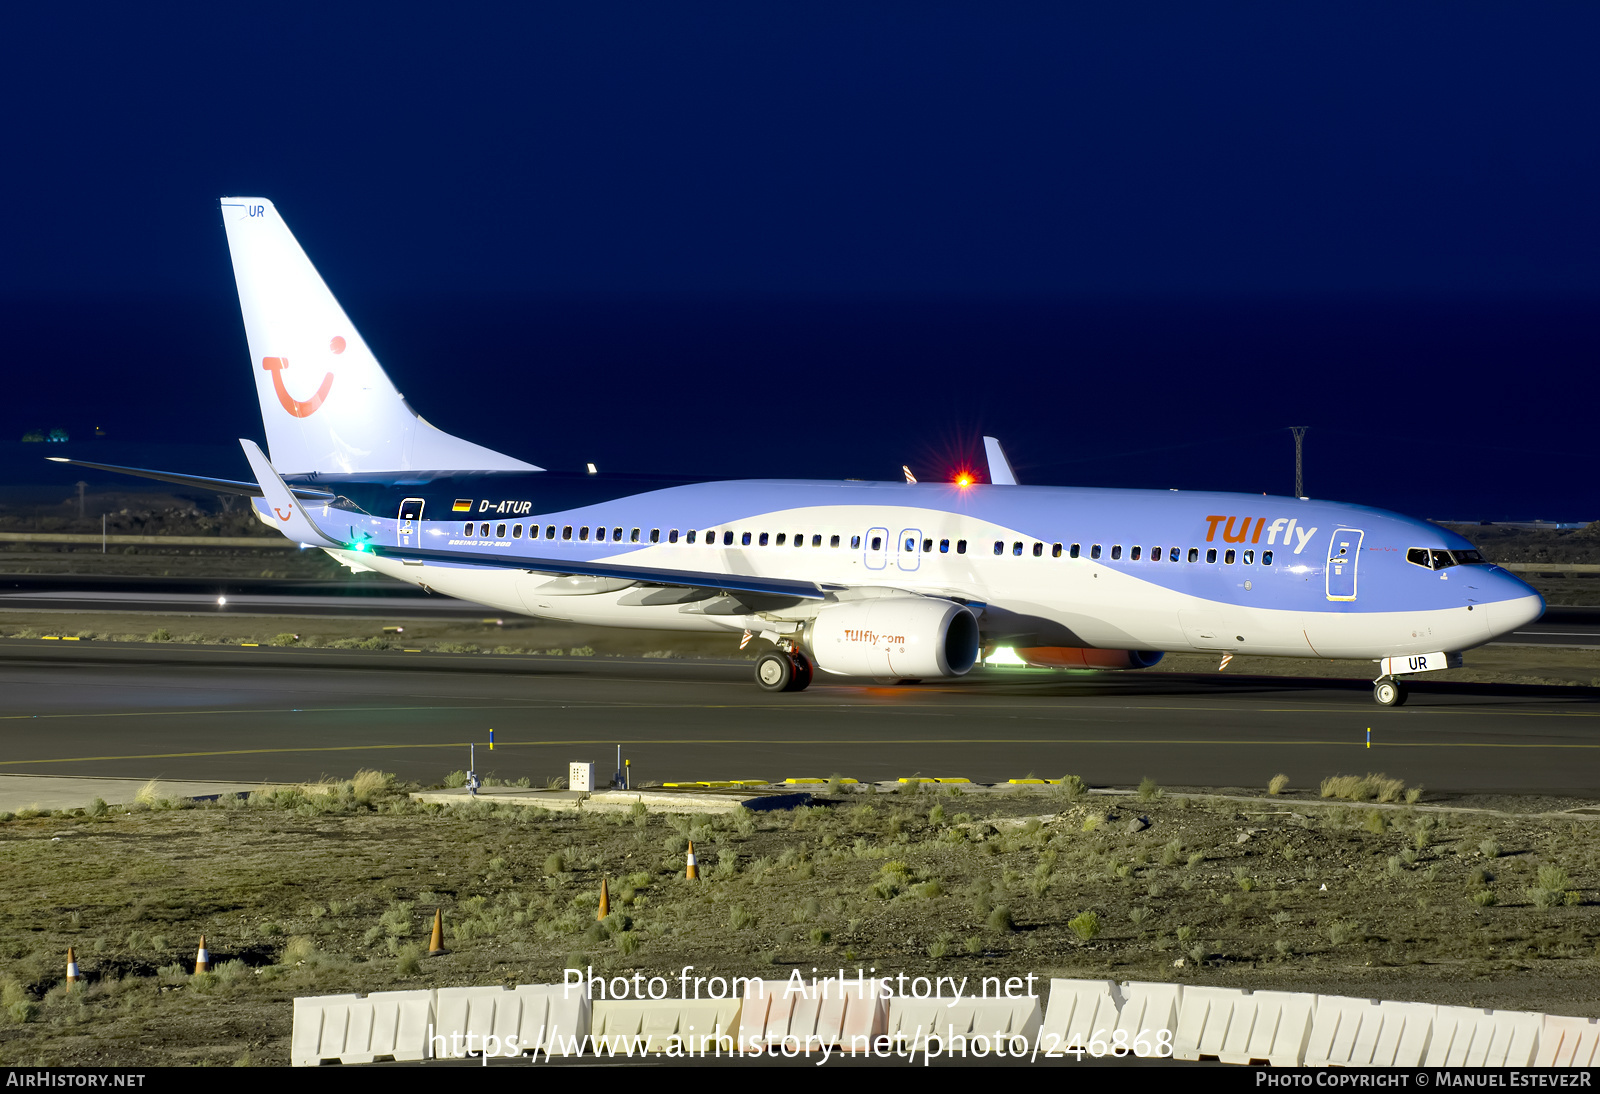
1073,657
910,637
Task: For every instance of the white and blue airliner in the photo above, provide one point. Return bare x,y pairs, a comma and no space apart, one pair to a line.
888,580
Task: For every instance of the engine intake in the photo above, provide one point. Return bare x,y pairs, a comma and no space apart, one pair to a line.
912,637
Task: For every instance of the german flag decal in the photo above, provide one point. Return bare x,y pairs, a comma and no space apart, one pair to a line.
462,505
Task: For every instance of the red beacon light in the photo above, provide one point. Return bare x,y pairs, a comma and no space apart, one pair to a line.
963,479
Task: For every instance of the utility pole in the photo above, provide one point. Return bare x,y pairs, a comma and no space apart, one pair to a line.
1299,432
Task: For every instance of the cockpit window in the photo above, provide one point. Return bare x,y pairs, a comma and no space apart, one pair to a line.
1435,559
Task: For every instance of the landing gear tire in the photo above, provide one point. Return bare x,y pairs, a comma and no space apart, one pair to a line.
1389,693
774,671
802,672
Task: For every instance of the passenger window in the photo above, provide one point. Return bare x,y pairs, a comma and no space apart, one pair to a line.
1133,554
744,540
1173,555
1094,552
672,536
1249,557
877,542
1038,550
944,546
468,531
1194,554
1116,551
483,531
927,546
566,531
1155,554
961,546
1074,551
633,536
516,531
833,541
779,542
550,532
1055,551
816,540
799,539
690,537
1211,556
533,531
583,533
1266,558
1228,557
999,547
911,546
727,538
655,535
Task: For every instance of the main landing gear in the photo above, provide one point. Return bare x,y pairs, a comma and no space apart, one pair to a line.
784,669
1389,692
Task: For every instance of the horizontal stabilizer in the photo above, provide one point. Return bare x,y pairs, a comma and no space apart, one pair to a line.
198,482
697,579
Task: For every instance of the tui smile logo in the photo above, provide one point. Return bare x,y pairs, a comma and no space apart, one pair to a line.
276,365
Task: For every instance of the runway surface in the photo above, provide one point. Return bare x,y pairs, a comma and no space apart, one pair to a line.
263,713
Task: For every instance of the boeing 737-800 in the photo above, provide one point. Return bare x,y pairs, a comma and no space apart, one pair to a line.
897,580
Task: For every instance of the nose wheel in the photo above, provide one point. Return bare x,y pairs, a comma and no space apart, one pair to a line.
1389,693
778,670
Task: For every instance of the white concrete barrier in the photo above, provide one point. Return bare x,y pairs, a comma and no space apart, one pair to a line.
1077,1008
1568,1042
630,1026
357,1030
1238,1027
773,1013
501,1022
1349,1032
1469,1037
1147,1009
912,1021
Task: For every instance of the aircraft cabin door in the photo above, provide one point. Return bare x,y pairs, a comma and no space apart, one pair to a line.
906,548
408,528
877,548
1344,552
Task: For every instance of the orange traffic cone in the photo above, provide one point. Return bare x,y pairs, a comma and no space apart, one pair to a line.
692,872
605,900
72,967
202,959
436,941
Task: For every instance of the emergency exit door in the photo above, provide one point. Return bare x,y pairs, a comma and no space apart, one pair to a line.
1344,552
408,528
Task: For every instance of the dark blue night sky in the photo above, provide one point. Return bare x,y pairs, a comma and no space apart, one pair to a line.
1133,241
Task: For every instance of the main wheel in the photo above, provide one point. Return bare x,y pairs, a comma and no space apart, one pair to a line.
774,671
802,672
1389,693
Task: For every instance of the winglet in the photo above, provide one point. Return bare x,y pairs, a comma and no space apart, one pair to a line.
1000,473
293,520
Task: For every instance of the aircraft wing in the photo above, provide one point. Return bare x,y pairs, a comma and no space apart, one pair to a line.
697,579
296,523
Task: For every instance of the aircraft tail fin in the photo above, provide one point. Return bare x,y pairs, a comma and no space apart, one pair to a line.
325,401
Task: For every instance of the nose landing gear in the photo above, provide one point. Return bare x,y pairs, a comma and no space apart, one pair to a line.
1389,692
783,669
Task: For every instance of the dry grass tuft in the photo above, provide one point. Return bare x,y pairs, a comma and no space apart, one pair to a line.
1363,788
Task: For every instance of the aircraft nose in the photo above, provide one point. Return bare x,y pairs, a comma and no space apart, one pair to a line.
1511,603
